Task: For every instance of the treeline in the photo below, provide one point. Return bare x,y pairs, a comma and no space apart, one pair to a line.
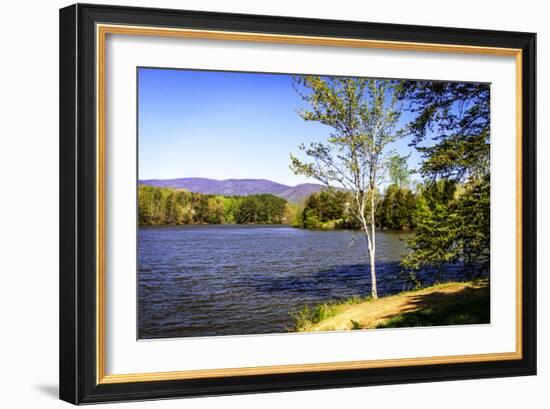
333,209
327,209
166,206
450,221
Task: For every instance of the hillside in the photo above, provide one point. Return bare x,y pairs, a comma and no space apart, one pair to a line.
238,187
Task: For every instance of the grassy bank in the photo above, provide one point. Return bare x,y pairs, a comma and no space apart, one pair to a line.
454,303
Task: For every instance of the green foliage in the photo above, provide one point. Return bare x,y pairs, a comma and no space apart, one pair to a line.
473,209
453,215
308,316
328,209
355,325
398,171
327,204
433,242
363,115
452,225
264,208
293,214
159,206
459,115
396,209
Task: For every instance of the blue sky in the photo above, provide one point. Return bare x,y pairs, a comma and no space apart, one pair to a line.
224,125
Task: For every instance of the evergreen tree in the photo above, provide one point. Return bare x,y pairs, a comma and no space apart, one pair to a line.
398,170
473,232
433,243
395,210
453,217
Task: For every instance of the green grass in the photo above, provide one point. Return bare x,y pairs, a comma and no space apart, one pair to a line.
470,306
435,307
308,316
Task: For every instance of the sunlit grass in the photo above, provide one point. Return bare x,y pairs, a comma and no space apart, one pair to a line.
308,316
470,307
429,306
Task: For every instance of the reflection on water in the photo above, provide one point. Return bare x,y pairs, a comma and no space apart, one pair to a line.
238,279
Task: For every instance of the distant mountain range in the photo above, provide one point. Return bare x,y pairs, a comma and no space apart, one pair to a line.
238,187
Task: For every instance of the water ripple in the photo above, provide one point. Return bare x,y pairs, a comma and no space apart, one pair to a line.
233,280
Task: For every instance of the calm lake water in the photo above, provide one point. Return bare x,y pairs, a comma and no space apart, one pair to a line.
238,279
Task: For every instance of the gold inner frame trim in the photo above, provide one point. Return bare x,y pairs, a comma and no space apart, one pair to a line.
101,33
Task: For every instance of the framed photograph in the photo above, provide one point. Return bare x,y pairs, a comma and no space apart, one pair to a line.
257,203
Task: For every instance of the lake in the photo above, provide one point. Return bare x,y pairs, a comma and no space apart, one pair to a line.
210,280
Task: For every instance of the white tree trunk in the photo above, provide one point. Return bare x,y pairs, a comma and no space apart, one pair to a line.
372,252
371,246
374,291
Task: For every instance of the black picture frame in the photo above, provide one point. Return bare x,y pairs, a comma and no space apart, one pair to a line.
78,258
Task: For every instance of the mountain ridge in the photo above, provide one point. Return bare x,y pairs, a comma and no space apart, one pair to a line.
237,187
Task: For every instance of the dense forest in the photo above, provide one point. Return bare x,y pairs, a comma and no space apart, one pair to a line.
328,209
158,206
332,209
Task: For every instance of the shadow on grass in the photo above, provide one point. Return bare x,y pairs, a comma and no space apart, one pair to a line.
468,306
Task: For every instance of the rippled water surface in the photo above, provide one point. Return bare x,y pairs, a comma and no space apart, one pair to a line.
235,279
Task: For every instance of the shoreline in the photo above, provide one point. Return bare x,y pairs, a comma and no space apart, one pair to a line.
273,225
451,303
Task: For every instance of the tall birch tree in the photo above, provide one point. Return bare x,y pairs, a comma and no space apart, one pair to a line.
363,115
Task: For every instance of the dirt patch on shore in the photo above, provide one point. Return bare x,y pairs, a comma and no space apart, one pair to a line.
370,314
